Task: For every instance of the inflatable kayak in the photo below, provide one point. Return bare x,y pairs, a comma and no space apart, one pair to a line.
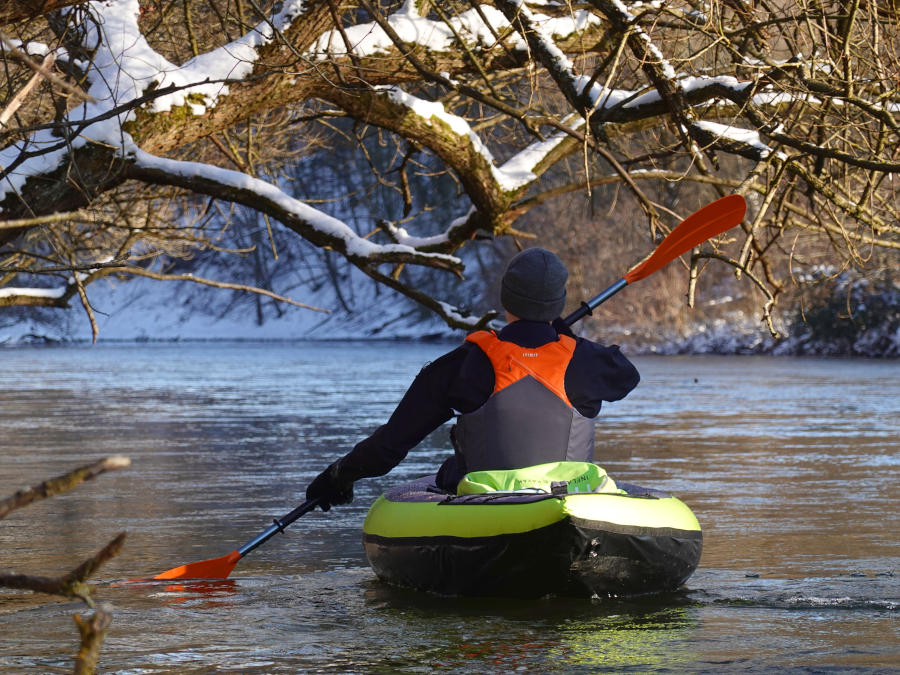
561,528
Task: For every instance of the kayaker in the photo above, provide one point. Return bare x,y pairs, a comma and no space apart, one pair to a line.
526,395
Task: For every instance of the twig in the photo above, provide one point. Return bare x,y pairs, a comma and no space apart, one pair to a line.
72,585
137,271
770,297
77,92
80,214
86,304
22,94
60,484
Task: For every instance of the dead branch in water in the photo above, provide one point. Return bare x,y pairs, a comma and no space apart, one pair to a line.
72,585
92,630
60,484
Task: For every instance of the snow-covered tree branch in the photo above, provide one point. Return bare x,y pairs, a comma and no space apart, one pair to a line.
144,111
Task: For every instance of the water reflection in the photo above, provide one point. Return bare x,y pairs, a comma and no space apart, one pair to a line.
195,593
549,635
655,640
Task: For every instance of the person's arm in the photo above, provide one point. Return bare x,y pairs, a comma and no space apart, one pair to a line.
429,402
423,408
598,373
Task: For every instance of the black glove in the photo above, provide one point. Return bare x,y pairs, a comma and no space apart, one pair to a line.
330,489
562,327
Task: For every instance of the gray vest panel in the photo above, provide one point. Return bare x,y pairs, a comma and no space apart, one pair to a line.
522,425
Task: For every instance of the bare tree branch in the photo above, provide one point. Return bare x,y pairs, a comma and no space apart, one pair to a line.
140,272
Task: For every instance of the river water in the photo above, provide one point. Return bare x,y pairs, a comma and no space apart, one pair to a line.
791,466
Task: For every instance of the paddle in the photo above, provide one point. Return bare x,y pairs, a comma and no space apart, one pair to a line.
220,568
712,219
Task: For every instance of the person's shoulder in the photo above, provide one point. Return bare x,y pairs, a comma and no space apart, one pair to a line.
603,356
455,356
588,346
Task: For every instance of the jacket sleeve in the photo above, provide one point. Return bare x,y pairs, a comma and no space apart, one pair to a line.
450,383
598,373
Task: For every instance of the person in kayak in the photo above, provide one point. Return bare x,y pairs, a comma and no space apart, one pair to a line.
526,395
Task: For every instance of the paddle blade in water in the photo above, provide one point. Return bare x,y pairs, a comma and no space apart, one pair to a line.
712,219
217,568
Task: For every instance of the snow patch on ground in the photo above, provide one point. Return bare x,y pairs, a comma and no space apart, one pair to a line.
145,310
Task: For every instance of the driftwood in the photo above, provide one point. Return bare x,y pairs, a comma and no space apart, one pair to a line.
72,585
61,484
92,630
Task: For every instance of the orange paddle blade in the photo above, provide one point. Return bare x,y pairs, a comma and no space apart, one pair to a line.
712,219
217,568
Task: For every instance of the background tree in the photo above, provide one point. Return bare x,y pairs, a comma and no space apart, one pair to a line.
122,117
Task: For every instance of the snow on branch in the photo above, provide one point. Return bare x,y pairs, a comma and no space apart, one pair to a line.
478,25
515,174
523,167
123,70
315,226
127,65
572,86
126,72
494,185
747,142
655,66
45,297
452,316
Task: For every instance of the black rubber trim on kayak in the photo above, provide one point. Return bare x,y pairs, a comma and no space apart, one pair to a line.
635,530
423,491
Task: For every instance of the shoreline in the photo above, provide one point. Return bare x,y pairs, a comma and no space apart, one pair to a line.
698,345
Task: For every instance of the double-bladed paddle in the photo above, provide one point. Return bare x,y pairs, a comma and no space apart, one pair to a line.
712,219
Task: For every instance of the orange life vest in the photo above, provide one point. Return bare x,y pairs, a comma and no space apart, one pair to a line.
528,419
547,363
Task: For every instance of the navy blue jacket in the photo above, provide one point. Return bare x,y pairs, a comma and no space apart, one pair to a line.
463,379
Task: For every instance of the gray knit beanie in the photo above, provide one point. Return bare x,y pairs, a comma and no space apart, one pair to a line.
534,285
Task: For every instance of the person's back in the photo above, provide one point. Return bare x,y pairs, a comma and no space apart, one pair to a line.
526,395
528,419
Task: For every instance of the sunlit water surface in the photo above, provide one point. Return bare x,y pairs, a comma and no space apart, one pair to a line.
791,465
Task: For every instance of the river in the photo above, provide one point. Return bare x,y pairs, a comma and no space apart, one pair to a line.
791,466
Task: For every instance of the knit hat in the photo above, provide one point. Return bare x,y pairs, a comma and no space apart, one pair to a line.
534,285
